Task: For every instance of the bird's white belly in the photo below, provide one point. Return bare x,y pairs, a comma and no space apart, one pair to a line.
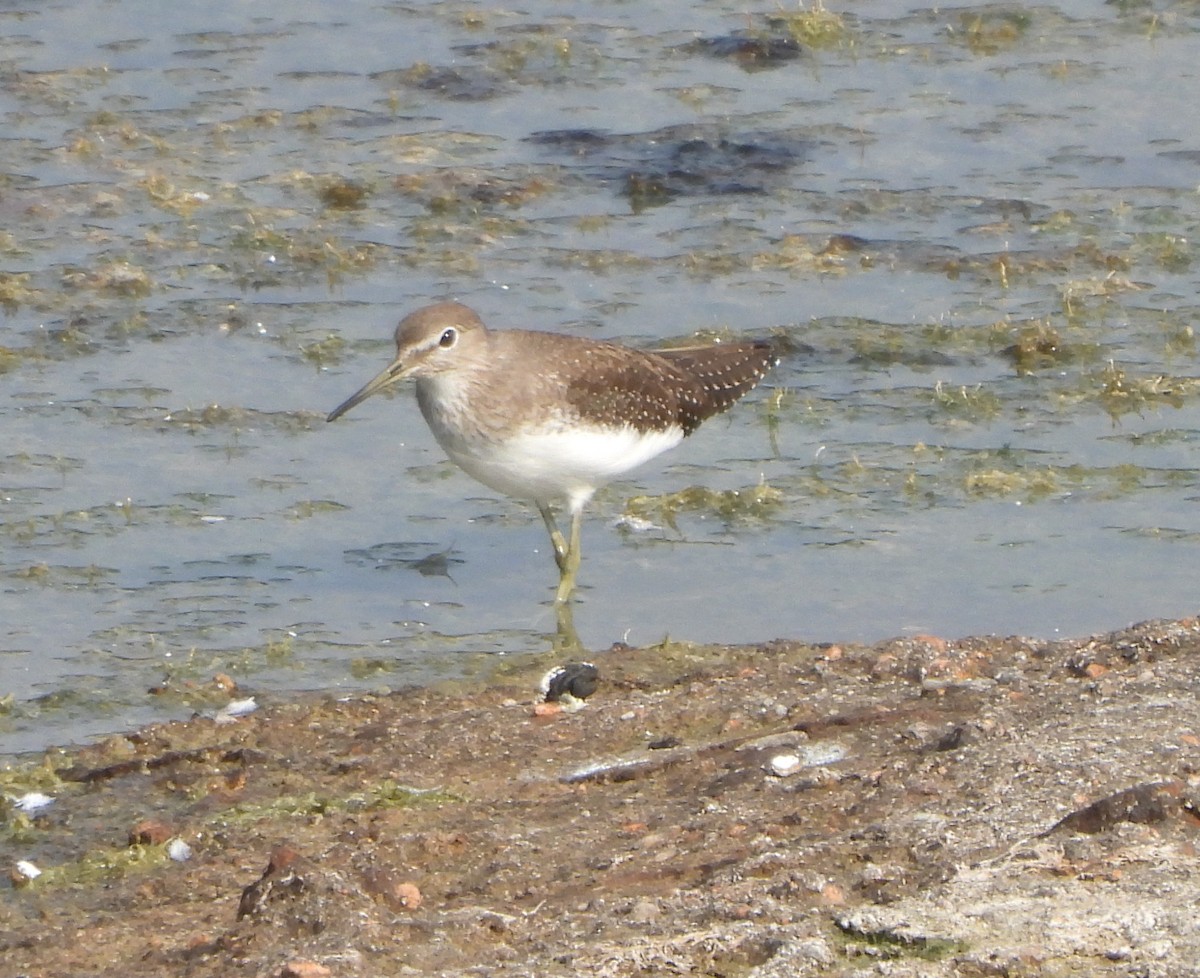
558,464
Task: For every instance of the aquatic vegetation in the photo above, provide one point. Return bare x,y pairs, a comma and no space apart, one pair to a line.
988,31
1029,483
1040,345
343,194
325,351
1121,392
757,502
813,26
14,291
975,403
798,253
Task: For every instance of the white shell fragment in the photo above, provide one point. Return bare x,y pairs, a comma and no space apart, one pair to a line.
234,709
32,802
239,708
179,850
782,765
788,762
635,524
28,869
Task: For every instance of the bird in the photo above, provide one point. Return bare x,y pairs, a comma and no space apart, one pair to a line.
548,417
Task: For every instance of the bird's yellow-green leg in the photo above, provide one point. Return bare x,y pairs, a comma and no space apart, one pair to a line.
557,540
566,551
570,565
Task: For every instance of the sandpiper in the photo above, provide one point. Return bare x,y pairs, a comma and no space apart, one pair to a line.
549,417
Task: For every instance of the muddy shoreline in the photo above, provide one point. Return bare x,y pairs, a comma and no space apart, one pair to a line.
986,806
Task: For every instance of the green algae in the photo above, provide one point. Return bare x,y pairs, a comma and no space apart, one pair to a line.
755,503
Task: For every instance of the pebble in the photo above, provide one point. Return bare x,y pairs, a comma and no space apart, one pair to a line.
225,682
827,753
644,912
149,832
782,765
304,969
408,895
788,738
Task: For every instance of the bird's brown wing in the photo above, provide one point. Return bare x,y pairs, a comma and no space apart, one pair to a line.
665,388
727,372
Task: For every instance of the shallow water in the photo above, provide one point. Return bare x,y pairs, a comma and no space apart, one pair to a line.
972,225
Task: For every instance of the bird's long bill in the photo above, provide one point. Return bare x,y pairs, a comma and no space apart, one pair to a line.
394,372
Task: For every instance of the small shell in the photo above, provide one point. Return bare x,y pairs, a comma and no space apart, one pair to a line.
237,708
27,869
32,802
234,709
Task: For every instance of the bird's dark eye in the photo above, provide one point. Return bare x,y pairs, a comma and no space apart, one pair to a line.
448,338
